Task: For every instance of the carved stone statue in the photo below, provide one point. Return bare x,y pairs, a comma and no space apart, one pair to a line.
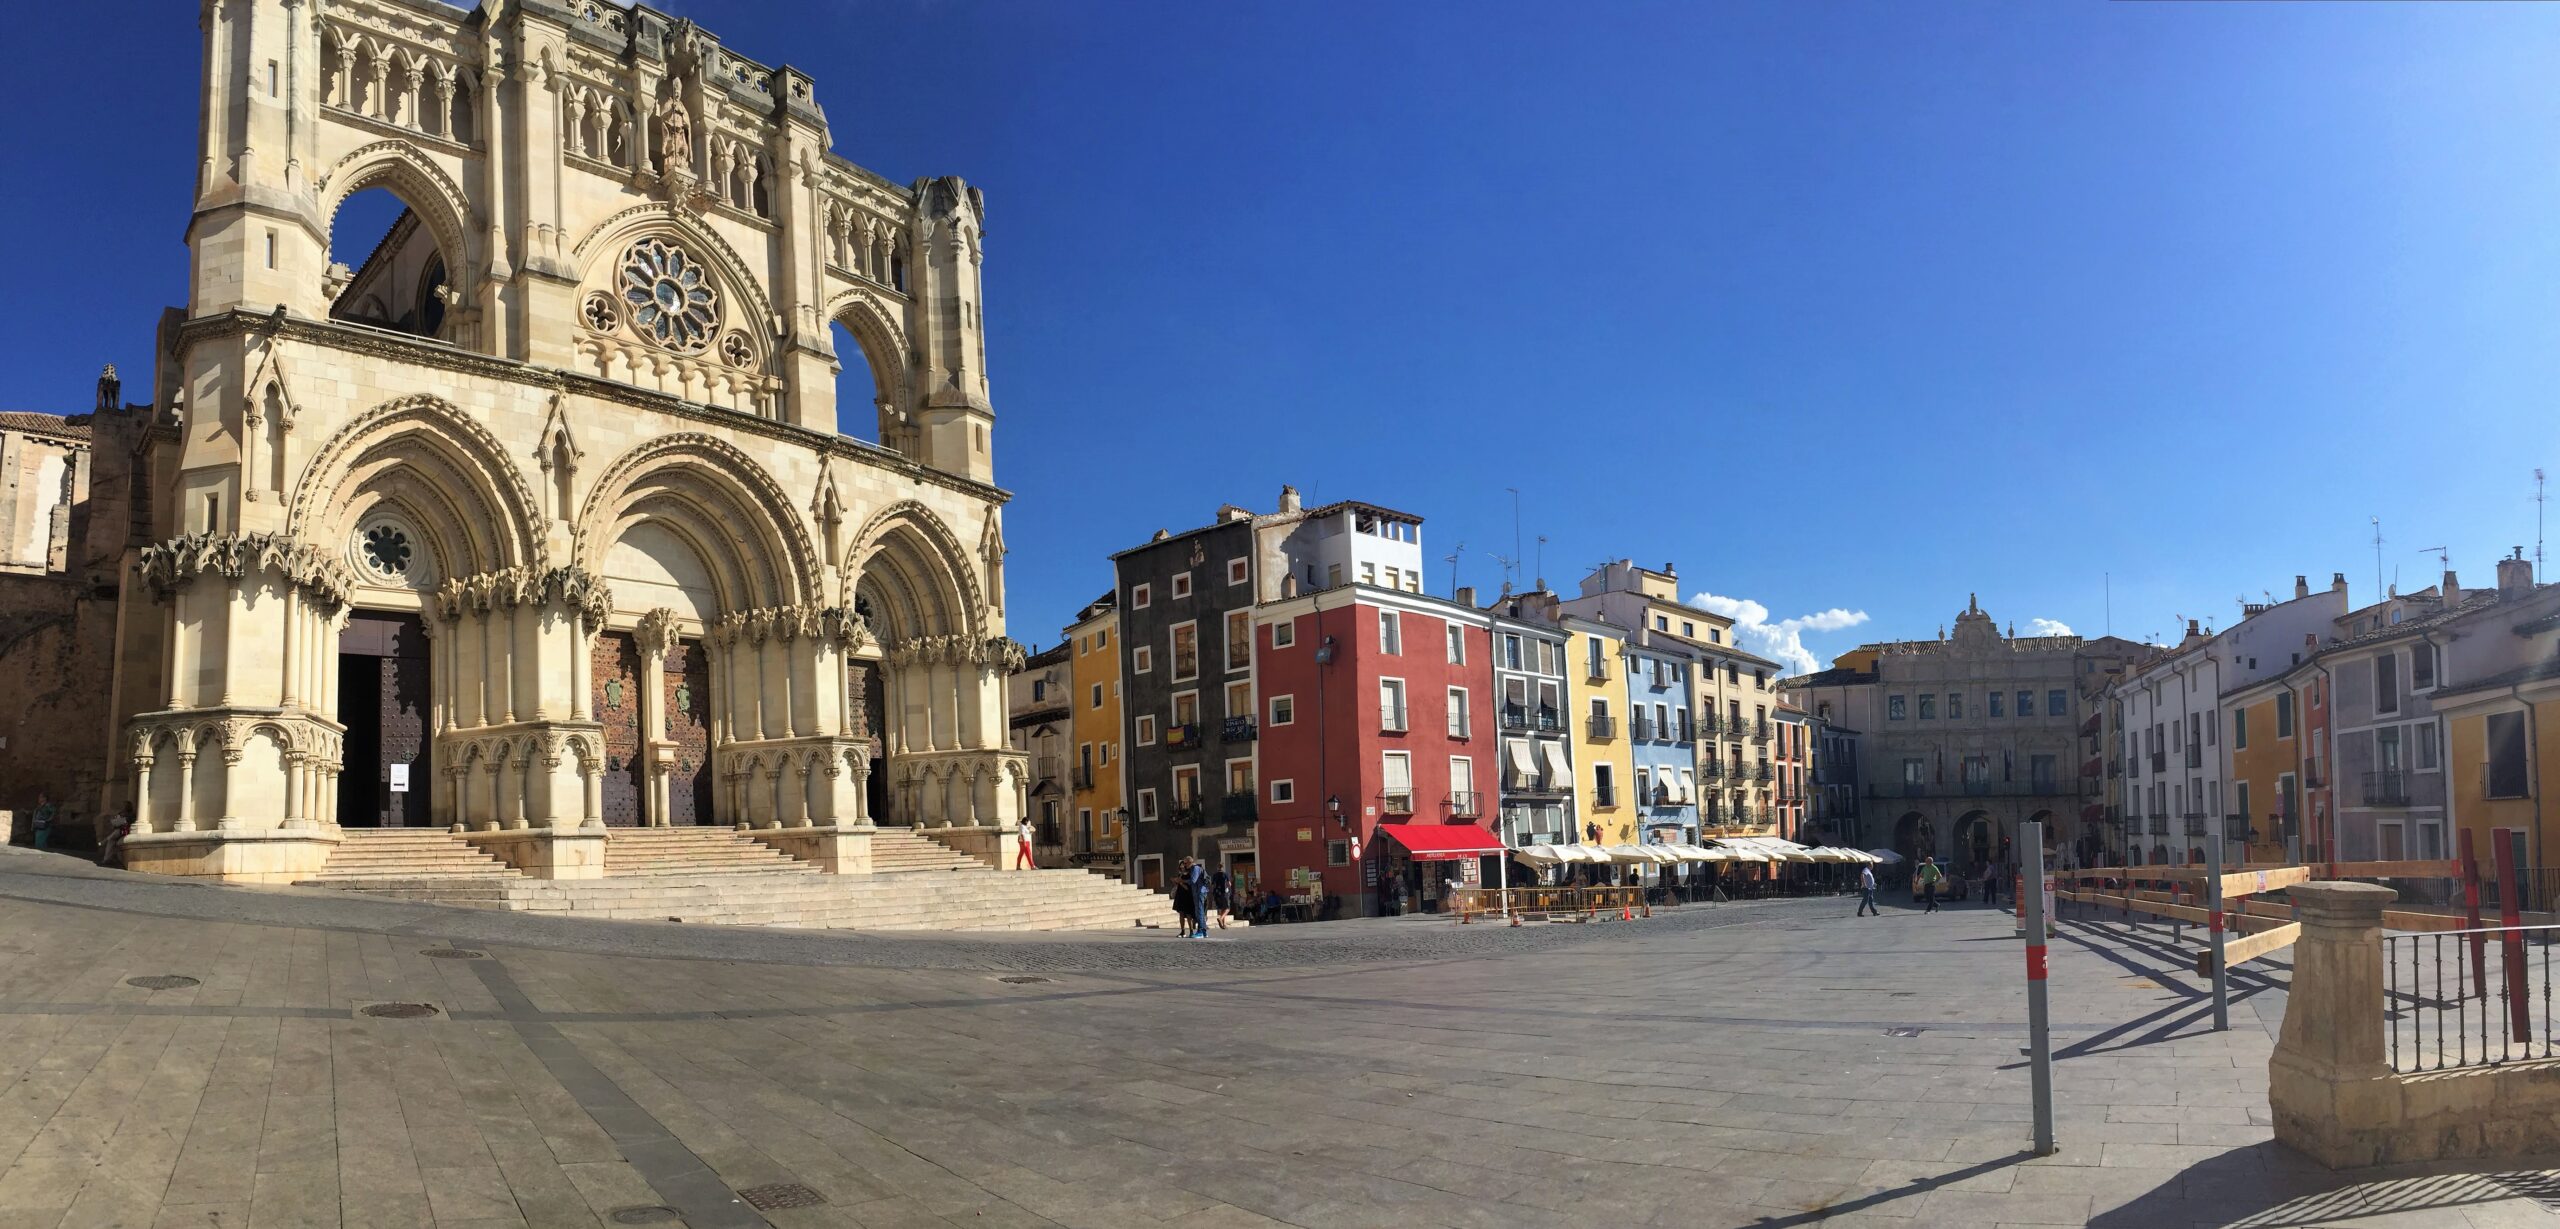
675,138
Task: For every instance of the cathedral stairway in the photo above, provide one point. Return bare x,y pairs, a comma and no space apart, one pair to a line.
694,851
382,855
900,851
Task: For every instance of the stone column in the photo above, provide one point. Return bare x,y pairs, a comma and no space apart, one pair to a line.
293,667
2328,1085
142,821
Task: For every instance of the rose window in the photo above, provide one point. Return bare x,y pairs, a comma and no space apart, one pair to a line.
386,551
671,302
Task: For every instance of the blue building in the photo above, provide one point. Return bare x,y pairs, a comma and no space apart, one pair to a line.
1662,736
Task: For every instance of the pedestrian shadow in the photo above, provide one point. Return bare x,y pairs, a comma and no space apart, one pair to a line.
2269,1186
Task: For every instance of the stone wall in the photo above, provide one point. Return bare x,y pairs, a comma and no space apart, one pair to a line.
56,655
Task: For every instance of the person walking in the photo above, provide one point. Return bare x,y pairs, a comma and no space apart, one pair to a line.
1182,899
1222,894
1198,877
1867,892
1991,886
1022,855
1927,877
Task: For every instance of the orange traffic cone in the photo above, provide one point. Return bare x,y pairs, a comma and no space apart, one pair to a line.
1625,912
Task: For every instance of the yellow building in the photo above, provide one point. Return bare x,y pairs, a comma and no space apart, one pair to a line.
1094,731
1603,765
2500,705
2267,750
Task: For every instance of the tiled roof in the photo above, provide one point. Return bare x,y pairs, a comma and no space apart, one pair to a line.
76,426
2548,667
1837,676
2471,603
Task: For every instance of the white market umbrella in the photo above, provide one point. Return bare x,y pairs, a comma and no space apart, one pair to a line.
1884,857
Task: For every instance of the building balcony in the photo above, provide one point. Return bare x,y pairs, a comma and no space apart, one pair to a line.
1239,730
1603,796
2195,823
1760,731
1760,773
1596,669
1514,718
2499,781
1466,804
1640,730
1391,718
2159,823
1083,779
1550,721
2195,755
1182,734
2387,788
1395,804
2159,762
1602,727
1710,724
1241,808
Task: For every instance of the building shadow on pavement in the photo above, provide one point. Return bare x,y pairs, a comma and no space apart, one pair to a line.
2267,1186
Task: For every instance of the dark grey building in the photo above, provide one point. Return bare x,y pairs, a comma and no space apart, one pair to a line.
1187,706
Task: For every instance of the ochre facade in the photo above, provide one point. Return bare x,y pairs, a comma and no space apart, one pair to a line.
533,519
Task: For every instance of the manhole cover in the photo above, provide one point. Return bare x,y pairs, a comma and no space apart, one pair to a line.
162,981
781,1195
651,1215
1904,1032
453,953
1023,981
397,1011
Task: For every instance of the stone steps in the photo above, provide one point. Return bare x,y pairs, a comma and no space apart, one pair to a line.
372,855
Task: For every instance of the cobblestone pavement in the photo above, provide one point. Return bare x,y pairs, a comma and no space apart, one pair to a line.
1773,1064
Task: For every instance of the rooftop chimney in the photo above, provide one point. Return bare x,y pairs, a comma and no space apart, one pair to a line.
1669,568
2302,586
2452,590
1288,498
2337,582
1466,595
2515,574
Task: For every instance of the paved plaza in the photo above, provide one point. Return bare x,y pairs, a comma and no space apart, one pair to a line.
1777,1063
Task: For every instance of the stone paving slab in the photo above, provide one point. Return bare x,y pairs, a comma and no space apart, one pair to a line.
1769,1064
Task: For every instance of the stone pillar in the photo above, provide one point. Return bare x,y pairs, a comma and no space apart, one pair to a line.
142,821
651,638
2328,1084
293,665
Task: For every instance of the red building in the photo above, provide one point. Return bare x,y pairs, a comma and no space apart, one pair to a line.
1375,711
1791,761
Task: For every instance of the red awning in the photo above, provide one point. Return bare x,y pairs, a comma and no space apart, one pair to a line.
1441,842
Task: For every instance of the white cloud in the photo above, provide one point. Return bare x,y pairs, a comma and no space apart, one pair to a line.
2048,627
1782,640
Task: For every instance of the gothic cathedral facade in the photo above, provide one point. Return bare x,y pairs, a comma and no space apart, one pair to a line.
534,520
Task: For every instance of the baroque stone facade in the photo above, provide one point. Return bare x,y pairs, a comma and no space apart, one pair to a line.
533,519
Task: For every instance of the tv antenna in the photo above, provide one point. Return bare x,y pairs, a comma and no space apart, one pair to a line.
1508,563
1516,552
2444,558
2537,522
1452,560
2379,590
1542,561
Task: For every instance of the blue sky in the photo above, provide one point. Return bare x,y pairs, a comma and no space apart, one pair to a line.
1842,307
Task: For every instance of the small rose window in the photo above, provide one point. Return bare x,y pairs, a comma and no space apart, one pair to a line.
671,301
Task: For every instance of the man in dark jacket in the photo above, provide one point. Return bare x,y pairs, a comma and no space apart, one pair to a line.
1196,877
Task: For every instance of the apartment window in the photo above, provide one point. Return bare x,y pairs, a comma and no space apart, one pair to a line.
1141,596
1457,645
1186,651
2386,683
1893,708
1239,640
1662,721
1460,725
1142,659
2504,776
1097,696
1598,664
1186,786
1911,770
1686,733
1462,785
1186,708
1368,573
1390,633
1760,680
2240,729
1337,853
1688,629
1550,657
2422,666
1661,624
2240,794
1510,652
1236,576
1106,755
1395,578
1284,710
2424,736
1333,576
1992,702
1146,804
1284,635
1955,706
1284,790
1391,714
2026,704
1146,729
1604,785
1644,786
1182,584
1239,699
2057,703
1928,707
1396,775
2212,727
